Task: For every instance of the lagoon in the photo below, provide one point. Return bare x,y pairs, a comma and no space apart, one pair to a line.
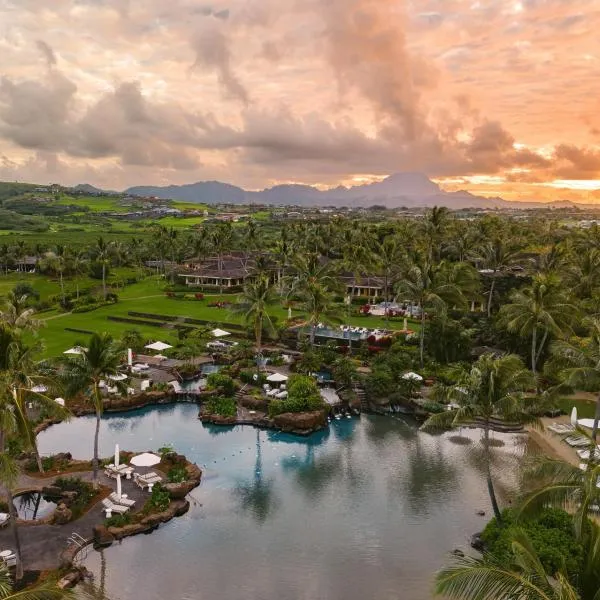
367,509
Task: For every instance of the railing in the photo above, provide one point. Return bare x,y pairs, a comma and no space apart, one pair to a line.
81,545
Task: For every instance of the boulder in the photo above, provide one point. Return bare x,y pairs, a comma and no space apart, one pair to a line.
301,423
62,514
178,491
254,403
70,580
477,543
217,419
102,537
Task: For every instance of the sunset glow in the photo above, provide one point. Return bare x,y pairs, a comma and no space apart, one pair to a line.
495,97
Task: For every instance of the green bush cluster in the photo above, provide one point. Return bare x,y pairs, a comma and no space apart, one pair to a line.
221,405
223,383
248,377
159,500
49,463
177,474
85,492
551,533
434,407
303,396
118,520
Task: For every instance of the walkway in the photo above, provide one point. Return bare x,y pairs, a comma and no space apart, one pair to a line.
41,545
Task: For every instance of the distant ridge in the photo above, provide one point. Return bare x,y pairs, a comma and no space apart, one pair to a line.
409,190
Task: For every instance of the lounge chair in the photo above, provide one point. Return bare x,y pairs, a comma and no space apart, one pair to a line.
122,501
585,454
10,560
561,428
111,507
4,519
577,441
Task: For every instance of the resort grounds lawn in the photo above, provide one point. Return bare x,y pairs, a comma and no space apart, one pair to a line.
148,296
585,407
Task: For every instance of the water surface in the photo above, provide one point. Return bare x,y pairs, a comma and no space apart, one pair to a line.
368,509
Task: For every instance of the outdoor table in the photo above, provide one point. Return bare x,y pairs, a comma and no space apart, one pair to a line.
5,555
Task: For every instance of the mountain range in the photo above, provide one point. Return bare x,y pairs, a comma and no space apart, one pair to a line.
409,190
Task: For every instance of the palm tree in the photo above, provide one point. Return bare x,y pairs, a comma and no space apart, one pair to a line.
82,374
496,255
102,253
388,254
489,579
433,287
563,485
582,274
491,389
541,309
318,303
22,380
435,223
580,363
79,265
253,304
17,315
44,591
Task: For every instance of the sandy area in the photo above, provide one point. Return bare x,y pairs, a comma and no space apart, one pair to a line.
552,444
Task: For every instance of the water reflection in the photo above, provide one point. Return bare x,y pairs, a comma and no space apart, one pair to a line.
257,496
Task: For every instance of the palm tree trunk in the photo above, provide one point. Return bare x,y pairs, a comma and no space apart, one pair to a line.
15,533
38,458
77,287
62,285
312,334
488,467
533,351
104,279
96,436
594,433
489,304
422,338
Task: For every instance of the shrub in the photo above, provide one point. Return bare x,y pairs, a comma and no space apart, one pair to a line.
177,474
85,492
434,407
118,520
379,383
303,396
219,405
551,533
223,383
165,450
159,500
249,377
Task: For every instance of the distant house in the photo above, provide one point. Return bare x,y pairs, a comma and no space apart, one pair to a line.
363,287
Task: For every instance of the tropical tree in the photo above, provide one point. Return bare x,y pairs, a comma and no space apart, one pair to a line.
17,313
492,388
318,304
496,255
253,304
82,374
582,273
537,312
388,255
434,287
102,252
44,591
580,362
488,578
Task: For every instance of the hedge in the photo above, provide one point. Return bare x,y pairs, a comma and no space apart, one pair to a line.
74,330
189,320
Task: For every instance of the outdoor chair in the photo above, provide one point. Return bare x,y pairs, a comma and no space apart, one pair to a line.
111,507
4,519
122,501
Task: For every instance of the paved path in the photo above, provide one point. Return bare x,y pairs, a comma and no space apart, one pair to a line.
41,545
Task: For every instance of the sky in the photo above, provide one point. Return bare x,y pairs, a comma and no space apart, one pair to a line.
498,97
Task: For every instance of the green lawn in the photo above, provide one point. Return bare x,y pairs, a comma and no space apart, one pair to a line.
147,296
585,408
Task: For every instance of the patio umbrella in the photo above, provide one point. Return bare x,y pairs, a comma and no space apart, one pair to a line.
289,312
75,350
118,377
220,333
574,417
117,457
277,378
413,376
158,346
129,357
146,459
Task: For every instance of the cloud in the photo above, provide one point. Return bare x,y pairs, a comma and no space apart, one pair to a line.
47,53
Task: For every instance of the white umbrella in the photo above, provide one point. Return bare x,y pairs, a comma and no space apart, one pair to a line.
117,458
220,333
59,401
405,324
158,346
146,459
413,376
289,312
129,357
277,378
574,416
75,350
118,377
589,423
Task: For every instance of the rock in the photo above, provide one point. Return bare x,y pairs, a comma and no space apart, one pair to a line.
52,490
180,507
62,514
458,552
68,497
217,419
301,423
64,456
254,403
178,491
477,543
102,537
70,580
481,513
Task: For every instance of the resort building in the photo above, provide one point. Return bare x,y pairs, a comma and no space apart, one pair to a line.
363,287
